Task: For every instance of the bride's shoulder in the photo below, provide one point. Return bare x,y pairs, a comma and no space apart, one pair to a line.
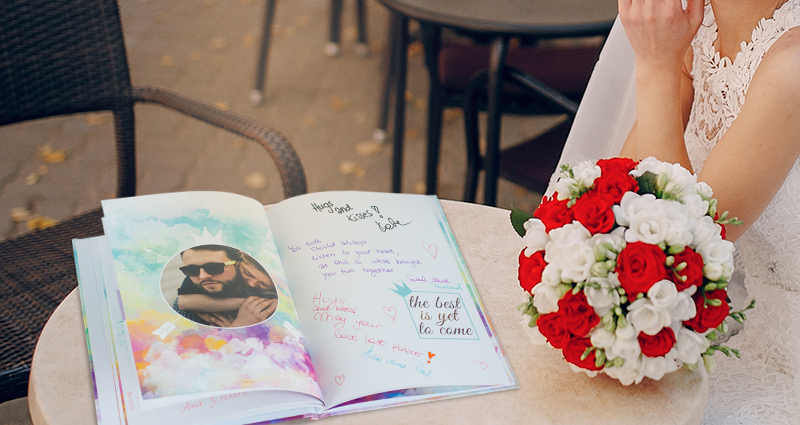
781,63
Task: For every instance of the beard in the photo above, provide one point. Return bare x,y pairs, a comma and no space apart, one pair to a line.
220,288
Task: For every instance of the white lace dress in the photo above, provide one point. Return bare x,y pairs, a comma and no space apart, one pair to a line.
764,386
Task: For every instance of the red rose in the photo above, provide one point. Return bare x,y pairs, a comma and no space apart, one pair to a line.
594,212
708,316
657,345
616,165
553,213
612,185
576,315
550,327
693,270
639,266
530,269
575,349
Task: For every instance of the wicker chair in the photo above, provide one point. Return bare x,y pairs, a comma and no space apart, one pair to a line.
61,57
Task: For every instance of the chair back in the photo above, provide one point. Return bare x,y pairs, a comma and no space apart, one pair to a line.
66,57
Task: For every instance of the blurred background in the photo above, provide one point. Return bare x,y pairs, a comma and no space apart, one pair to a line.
326,106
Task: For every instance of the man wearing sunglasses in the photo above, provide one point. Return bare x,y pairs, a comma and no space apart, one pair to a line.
214,293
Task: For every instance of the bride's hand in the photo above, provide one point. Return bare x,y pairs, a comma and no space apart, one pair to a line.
660,31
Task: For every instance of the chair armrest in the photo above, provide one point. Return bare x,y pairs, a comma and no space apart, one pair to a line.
288,163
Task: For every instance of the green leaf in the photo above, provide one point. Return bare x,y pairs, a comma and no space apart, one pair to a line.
518,219
647,183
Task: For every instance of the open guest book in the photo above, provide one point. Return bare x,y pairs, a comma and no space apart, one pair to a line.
202,307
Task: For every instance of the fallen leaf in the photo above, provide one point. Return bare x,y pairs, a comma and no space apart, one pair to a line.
31,179
415,49
42,170
52,156
350,167
451,114
166,60
411,134
338,104
39,222
420,104
419,188
255,180
218,43
19,214
408,96
310,122
350,33
222,105
368,148
249,40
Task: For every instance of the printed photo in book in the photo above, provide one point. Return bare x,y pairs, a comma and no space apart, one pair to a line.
202,307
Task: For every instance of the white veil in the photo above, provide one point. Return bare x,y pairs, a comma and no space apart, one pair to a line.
608,109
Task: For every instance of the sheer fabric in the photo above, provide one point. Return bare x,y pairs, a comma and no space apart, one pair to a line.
764,386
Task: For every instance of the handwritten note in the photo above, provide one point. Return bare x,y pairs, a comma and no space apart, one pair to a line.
369,214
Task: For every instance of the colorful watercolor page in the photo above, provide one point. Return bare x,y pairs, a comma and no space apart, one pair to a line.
384,296
189,354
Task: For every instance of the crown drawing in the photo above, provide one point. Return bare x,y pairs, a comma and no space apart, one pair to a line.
207,238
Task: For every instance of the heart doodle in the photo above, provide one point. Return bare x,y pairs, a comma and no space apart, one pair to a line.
339,379
430,356
482,365
432,249
391,312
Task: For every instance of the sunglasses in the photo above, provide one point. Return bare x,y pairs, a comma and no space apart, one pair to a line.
210,268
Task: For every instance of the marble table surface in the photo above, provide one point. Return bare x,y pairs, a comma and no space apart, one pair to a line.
549,391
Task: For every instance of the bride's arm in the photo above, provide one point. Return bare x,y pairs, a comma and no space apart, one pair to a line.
660,33
750,162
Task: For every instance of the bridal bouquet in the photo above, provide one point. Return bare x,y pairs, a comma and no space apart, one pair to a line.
627,267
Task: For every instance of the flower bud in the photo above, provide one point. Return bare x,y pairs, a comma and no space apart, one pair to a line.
709,363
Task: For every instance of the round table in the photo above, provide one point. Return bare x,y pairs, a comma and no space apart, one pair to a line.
549,391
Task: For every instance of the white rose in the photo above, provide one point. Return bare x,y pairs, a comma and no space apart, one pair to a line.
535,237
683,307
654,367
713,271
690,345
551,275
647,317
662,294
602,338
569,233
648,226
585,173
627,332
704,190
705,230
566,188
678,227
545,298
716,251
630,205
576,262
628,349
695,205
606,245
649,164
629,373
604,298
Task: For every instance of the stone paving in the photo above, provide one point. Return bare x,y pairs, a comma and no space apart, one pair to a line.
327,107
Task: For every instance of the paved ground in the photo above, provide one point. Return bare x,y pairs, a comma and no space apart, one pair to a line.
327,107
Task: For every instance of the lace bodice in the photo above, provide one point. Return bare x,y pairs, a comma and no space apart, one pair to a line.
764,386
